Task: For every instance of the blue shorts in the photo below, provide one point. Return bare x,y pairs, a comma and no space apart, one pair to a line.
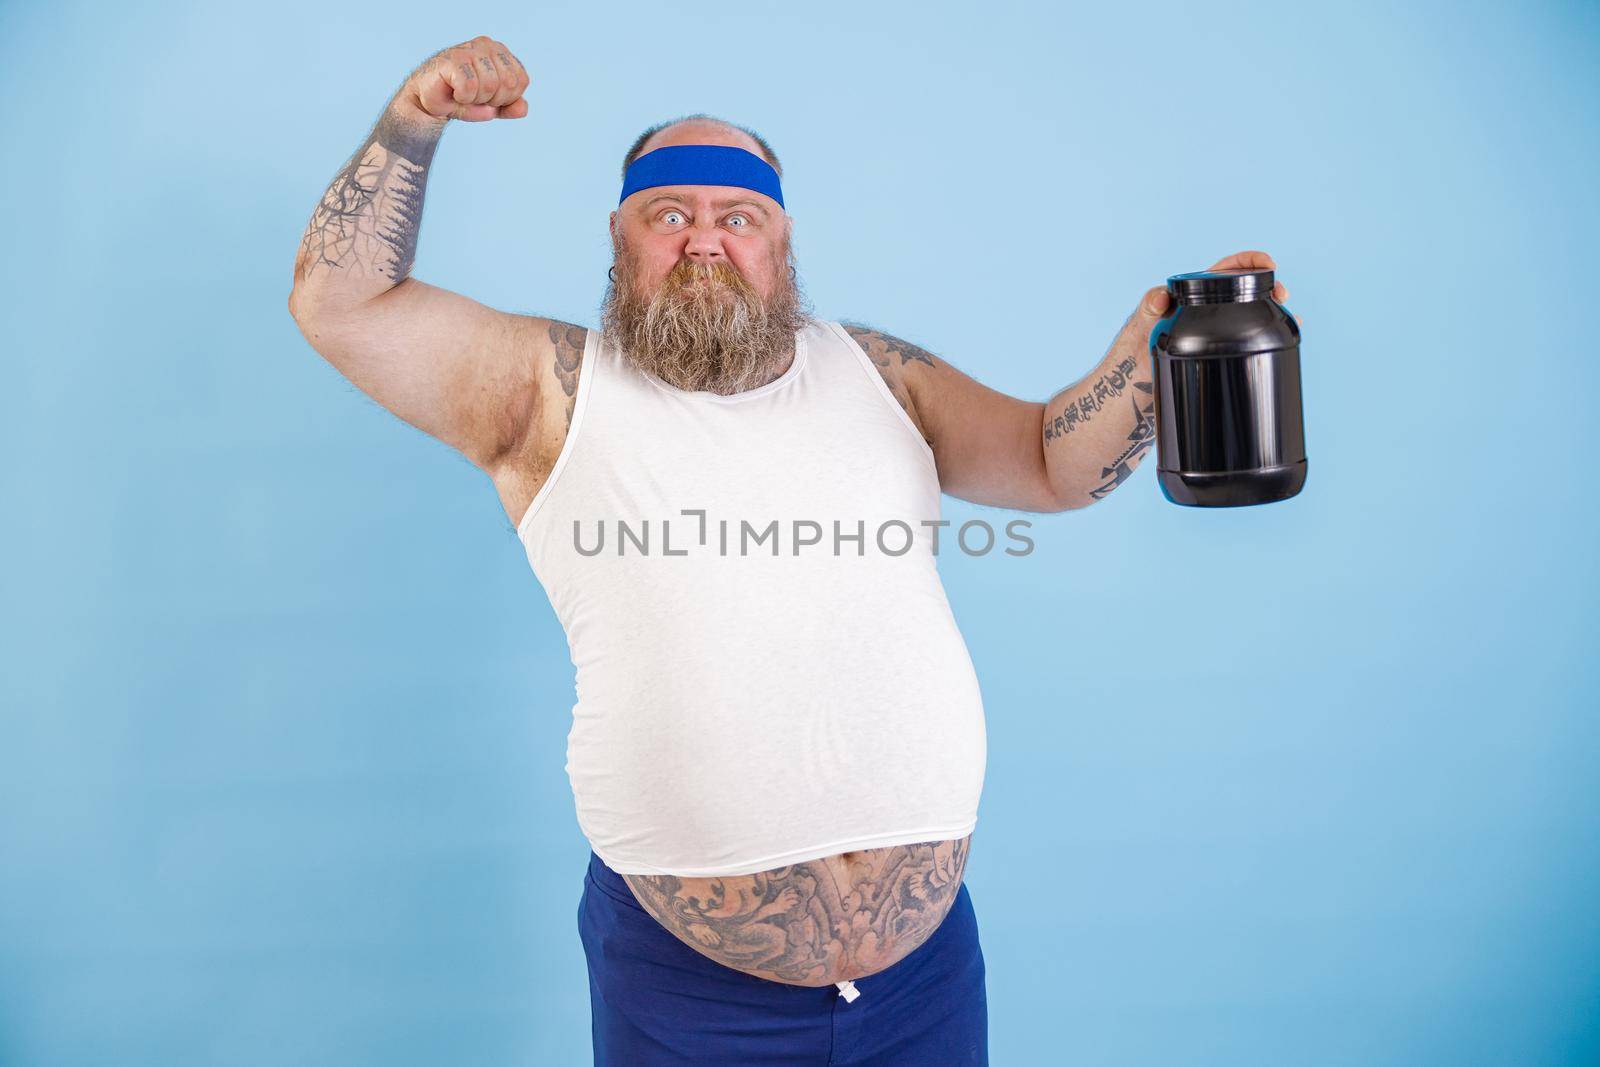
656,1001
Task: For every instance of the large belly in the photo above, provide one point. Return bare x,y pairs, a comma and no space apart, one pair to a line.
815,923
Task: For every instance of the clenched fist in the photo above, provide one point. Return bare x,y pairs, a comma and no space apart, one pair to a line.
475,81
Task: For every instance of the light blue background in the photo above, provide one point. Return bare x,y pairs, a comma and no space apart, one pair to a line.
281,756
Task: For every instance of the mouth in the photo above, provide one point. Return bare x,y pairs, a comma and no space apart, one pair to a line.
707,284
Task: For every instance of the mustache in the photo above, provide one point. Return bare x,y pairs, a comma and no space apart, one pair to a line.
704,325
721,272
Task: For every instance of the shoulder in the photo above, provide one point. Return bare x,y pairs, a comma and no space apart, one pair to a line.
885,349
901,364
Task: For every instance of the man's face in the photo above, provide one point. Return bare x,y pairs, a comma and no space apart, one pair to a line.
704,296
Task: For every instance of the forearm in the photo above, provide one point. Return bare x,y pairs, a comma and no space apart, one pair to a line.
362,237
1097,430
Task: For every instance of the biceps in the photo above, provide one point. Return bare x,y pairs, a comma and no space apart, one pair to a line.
987,444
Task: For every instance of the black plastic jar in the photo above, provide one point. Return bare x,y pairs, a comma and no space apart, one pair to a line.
1229,427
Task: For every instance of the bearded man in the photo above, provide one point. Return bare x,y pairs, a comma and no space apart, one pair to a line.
778,745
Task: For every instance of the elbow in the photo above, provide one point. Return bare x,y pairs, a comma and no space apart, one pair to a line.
310,315
1053,497
1062,502
1050,499
1075,493
299,303
298,291
301,312
309,307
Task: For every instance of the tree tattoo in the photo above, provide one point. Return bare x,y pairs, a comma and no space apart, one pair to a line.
369,216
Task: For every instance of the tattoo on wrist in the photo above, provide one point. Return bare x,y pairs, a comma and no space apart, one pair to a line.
413,141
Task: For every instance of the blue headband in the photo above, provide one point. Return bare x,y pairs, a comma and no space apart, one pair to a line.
701,164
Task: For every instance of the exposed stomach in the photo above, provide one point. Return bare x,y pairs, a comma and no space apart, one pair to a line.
827,920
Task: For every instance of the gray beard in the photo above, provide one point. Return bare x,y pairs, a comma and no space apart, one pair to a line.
720,337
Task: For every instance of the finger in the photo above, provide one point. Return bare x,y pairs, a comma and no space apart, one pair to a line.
464,79
517,109
1156,301
436,92
488,78
513,79
475,112
1280,292
517,64
1249,260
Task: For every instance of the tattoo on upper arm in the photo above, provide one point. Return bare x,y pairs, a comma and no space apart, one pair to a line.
800,924
904,349
882,349
568,341
368,218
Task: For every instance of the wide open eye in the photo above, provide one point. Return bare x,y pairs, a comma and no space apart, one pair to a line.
666,216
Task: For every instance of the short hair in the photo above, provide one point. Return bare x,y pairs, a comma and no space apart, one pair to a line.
634,152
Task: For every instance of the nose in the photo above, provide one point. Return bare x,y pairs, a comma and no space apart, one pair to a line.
704,245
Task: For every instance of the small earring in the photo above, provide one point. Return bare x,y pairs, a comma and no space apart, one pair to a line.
611,272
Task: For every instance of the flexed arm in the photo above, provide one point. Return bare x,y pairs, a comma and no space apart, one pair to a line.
467,374
362,238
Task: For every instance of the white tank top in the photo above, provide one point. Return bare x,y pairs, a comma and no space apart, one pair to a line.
739,710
